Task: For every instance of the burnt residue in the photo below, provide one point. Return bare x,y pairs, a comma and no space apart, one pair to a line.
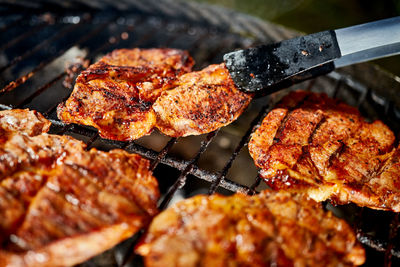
267,65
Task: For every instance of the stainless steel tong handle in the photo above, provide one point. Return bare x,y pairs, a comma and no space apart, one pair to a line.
368,41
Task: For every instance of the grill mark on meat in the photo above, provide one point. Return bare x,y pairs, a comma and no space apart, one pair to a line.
319,124
262,230
281,128
384,165
310,141
26,205
66,195
129,73
285,119
139,104
278,134
343,157
336,155
305,154
113,95
84,172
81,169
199,102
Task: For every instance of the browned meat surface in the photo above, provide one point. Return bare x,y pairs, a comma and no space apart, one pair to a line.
31,123
116,94
317,145
61,204
200,102
130,92
270,229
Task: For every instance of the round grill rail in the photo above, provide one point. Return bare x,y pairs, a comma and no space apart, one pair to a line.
44,44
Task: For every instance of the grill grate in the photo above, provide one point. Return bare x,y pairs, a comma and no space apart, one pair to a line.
33,74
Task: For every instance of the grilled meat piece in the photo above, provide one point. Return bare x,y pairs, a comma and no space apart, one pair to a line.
200,102
31,123
116,94
61,204
323,147
129,92
269,229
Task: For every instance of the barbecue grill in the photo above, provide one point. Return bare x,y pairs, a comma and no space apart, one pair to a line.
45,44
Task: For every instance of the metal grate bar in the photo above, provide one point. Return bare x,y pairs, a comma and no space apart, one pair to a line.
180,182
245,139
92,139
36,93
373,242
22,36
338,85
65,128
39,46
44,63
54,106
168,160
362,98
347,80
235,187
40,90
256,183
162,153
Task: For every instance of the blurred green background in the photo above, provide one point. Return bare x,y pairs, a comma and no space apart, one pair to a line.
310,16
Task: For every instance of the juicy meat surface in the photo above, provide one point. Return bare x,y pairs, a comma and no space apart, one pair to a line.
30,123
128,93
200,102
269,229
61,204
116,94
323,147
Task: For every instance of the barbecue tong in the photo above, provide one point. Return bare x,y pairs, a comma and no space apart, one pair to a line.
268,68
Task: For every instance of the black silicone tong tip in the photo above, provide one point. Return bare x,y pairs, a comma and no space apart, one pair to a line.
267,68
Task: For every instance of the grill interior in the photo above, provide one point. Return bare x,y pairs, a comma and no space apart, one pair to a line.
45,45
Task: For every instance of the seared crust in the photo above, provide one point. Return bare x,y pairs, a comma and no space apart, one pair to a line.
116,94
311,143
270,229
200,102
61,204
129,92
